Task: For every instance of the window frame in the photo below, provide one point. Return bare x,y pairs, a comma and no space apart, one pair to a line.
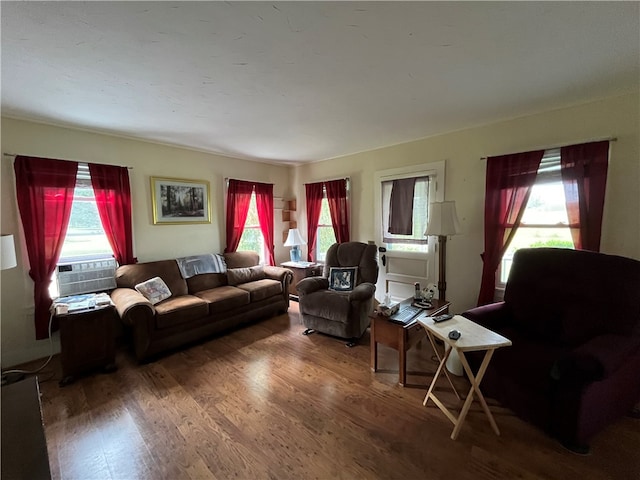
549,172
83,180
253,204
324,204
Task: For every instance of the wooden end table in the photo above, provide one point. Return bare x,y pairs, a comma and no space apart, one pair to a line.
301,270
87,341
400,337
473,337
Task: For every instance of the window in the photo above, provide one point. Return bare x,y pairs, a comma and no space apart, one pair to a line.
326,235
416,241
544,222
85,238
251,239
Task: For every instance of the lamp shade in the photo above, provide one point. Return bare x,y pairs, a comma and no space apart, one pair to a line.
443,219
294,238
7,252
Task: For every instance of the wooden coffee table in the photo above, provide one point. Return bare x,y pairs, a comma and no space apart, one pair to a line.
473,337
400,337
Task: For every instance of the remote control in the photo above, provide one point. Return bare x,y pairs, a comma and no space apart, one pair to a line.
442,318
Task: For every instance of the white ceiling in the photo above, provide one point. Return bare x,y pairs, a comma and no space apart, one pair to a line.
293,82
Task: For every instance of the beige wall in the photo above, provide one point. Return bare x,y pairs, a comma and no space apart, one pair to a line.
462,150
151,242
465,174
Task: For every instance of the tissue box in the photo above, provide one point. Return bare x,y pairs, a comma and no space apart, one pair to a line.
388,310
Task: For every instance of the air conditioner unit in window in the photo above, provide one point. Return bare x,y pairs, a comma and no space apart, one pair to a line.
86,277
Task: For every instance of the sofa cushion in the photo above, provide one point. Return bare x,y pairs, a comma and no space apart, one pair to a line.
327,304
261,289
154,290
225,298
128,276
178,310
206,281
236,276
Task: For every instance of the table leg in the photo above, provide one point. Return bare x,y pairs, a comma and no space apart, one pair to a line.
374,348
402,358
447,353
475,388
435,378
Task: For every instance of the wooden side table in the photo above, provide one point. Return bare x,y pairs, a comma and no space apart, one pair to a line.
301,270
474,337
87,341
400,337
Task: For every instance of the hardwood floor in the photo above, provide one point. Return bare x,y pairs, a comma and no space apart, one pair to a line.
265,402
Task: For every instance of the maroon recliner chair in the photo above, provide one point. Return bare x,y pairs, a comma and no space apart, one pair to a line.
574,319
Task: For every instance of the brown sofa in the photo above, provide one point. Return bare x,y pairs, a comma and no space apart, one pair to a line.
199,306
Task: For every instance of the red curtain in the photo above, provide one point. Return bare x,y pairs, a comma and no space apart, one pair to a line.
508,185
314,204
339,209
44,189
264,204
238,199
584,176
113,198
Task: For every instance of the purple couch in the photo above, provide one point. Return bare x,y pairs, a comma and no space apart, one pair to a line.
574,320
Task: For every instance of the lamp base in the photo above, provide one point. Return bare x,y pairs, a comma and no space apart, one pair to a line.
295,254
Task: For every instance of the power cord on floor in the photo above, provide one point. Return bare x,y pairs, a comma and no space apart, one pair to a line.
15,375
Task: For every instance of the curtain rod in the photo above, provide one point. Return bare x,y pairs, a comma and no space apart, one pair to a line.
610,139
63,159
348,179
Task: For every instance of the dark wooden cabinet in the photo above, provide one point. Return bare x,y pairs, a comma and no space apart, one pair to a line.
87,341
300,271
24,446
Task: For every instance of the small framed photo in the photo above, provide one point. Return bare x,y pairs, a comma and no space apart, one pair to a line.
177,201
343,279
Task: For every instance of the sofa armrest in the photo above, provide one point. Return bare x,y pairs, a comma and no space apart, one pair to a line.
312,284
278,273
492,316
595,359
362,292
131,305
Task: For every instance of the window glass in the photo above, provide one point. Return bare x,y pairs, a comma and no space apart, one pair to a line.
544,222
251,239
416,242
85,238
325,234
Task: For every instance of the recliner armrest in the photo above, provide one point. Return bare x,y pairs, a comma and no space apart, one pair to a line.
362,292
312,284
492,316
596,359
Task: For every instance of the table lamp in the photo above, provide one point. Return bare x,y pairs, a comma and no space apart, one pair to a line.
294,240
7,252
443,221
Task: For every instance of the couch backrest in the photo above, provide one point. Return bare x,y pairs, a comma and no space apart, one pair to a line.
130,275
571,296
354,254
241,259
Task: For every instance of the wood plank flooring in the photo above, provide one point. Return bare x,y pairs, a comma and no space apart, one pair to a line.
265,402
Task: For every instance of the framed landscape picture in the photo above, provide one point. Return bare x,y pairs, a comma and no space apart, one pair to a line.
178,201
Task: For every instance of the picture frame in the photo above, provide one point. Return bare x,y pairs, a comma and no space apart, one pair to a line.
179,201
343,279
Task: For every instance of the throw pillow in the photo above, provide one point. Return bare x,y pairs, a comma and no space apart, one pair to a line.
238,276
154,290
343,279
